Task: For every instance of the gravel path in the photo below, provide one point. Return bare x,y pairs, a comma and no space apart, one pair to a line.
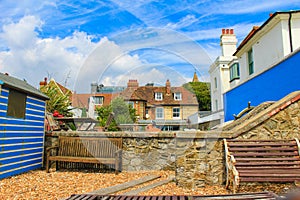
58,185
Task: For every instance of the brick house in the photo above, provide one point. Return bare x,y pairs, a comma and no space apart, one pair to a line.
168,107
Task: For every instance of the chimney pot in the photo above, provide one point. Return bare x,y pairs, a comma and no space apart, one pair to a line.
223,31
271,14
231,31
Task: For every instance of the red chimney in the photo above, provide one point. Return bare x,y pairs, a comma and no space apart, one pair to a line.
43,83
133,84
271,14
168,87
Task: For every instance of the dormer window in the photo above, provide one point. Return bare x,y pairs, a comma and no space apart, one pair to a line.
177,96
158,96
98,100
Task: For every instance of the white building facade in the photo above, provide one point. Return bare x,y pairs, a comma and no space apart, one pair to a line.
219,73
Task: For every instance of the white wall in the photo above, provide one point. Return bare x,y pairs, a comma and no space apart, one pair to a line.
270,48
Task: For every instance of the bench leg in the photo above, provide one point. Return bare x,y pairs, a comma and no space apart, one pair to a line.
47,165
56,165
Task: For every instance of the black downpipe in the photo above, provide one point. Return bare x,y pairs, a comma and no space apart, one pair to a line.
290,32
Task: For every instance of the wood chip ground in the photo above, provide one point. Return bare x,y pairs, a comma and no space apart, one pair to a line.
58,185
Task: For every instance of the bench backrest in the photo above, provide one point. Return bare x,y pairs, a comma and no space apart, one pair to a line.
89,146
260,153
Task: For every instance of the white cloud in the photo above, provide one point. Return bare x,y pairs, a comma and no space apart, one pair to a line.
32,58
183,22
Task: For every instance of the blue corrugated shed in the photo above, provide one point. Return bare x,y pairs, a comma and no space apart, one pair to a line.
22,114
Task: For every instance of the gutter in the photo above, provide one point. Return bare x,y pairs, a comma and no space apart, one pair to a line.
290,32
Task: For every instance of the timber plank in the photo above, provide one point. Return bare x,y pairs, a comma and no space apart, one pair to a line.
123,186
251,154
263,149
268,159
262,144
149,187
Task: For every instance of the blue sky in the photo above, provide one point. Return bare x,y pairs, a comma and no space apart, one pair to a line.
111,41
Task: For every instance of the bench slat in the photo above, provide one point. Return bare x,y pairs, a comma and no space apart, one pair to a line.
261,144
291,175
294,148
266,163
268,159
252,154
268,179
83,159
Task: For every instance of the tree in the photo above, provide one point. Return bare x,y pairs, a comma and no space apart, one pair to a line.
123,114
202,92
58,101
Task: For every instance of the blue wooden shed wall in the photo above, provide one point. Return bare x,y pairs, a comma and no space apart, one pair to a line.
272,85
21,140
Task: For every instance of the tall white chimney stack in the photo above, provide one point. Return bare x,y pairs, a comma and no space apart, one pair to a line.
228,42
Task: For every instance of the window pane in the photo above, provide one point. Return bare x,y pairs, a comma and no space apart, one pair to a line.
16,104
159,113
98,100
177,96
176,112
158,96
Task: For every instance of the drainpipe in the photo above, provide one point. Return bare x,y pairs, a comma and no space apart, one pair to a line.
290,32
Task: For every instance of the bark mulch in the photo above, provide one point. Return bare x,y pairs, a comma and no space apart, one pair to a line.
58,185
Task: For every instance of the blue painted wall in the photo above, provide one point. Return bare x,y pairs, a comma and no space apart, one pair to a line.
272,85
21,140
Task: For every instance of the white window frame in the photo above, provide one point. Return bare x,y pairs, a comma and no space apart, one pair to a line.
100,97
177,96
161,116
158,96
177,112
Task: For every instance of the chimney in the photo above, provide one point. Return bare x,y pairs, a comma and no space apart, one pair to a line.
94,87
271,14
132,84
228,42
168,87
43,83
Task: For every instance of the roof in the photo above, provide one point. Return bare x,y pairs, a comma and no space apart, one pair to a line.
147,93
257,29
20,85
82,100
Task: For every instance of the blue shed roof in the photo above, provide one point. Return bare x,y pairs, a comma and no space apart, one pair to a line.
23,86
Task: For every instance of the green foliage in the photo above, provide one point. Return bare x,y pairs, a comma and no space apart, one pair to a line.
202,92
123,114
57,101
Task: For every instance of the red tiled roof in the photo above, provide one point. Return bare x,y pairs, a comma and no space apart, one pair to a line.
147,93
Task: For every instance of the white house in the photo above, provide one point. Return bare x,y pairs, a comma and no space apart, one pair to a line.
267,66
268,44
219,73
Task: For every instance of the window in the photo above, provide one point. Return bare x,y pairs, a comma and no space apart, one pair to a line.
159,113
177,96
216,82
234,71
250,62
16,104
98,100
130,103
176,112
158,96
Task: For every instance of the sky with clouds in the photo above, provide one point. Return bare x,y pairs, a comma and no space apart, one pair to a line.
111,41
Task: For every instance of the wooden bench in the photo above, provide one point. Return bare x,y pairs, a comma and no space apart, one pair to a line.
86,150
261,161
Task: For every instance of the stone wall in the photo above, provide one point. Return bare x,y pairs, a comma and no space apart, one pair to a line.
197,157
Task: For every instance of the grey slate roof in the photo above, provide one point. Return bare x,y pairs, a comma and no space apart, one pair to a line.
23,86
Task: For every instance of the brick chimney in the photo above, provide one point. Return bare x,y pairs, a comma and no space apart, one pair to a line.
228,42
168,87
43,83
132,84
